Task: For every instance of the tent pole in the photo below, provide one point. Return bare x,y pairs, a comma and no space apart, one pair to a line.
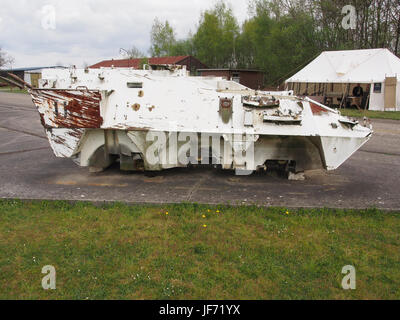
344,93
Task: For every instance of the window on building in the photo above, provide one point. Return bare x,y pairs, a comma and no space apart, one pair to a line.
377,87
236,77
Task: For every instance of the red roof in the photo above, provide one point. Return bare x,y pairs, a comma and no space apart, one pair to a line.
135,63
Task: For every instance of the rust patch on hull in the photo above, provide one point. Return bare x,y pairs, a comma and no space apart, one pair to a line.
69,109
316,109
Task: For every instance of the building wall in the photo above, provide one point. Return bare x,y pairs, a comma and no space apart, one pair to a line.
377,102
253,80
27,78
398,96
222,73
192,64
35,79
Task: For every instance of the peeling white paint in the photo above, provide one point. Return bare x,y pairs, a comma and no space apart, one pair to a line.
129,101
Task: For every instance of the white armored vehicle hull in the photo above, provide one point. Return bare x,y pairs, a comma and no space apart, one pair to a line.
155,120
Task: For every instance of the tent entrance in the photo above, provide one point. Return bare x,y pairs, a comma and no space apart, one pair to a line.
334,95
390,92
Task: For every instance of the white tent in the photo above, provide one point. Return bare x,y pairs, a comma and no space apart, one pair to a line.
378,67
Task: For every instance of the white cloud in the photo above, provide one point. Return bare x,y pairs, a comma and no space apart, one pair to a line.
92,30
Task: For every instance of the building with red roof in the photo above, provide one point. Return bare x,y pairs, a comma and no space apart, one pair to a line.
192,64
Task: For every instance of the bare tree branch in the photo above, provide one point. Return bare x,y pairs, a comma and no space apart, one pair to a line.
5,59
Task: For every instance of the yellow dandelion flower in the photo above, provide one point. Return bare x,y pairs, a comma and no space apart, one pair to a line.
167,213
217,211
208,210
203,216
204,226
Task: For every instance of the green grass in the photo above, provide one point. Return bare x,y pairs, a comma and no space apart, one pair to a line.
392,115
139,252
13,90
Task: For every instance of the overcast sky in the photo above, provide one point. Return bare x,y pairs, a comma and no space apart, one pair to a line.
86,31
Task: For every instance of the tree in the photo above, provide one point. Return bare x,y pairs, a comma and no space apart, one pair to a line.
253,41
278,38
162,38
216,37
5,59
183,47
281,36
396,28
143,61
377,24
133,53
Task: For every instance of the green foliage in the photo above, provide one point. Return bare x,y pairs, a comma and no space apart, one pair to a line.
392,115
216,37
281,37
162,38
275,45
13,90
182,47
143,61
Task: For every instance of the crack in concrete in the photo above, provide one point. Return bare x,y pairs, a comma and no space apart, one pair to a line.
25,132
196,186
22,151
18,107
381,152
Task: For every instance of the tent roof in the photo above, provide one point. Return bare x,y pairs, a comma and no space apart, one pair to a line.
351,66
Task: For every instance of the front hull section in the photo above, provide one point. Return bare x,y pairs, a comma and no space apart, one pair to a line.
156,120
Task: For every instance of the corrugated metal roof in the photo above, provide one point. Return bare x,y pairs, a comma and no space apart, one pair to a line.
135,63
31,68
